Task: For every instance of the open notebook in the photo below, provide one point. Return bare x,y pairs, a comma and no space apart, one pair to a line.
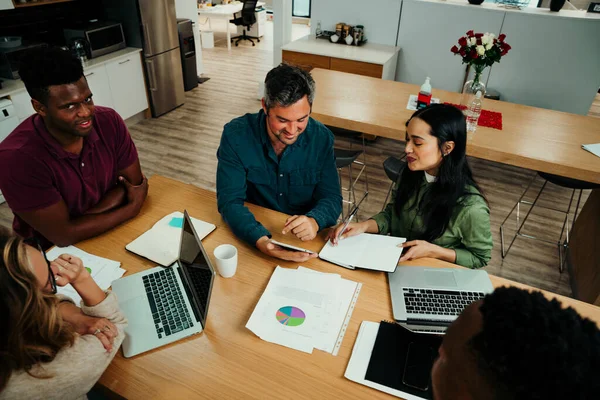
366,251
161,243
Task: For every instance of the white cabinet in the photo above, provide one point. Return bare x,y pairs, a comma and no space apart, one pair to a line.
117,83
97,80
6,5
127,85
22,103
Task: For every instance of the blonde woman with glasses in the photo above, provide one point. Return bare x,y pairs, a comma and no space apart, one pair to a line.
42,355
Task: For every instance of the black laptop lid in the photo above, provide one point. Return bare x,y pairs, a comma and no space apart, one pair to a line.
198,273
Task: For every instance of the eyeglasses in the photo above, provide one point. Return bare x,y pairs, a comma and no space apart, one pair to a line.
34,242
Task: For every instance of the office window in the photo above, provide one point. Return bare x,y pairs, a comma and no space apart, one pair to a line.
301,8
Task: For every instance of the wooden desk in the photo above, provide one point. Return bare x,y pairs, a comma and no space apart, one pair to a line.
227,360
534,138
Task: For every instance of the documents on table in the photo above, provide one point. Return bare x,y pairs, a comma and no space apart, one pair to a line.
103,270
592,148
305,309
367,251
161,242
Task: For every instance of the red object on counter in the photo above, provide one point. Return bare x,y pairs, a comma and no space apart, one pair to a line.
488,119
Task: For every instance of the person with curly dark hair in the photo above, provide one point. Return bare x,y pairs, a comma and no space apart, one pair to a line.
70,171
515,345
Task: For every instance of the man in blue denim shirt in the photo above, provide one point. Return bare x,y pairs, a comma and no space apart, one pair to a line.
282,159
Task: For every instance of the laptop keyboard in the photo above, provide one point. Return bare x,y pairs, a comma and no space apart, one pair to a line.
440,302
166,302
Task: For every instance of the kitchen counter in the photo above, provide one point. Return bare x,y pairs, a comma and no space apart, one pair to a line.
11,86
368,53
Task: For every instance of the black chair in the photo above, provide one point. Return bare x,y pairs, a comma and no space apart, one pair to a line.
344,158
563,245
246,19
393,167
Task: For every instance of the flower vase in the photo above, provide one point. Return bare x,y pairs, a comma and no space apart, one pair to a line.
471,88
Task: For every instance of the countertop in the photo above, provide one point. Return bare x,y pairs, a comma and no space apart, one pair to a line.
369,52
10,86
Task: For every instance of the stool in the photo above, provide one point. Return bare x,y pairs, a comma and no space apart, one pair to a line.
344,159
568,183
393,167
346,133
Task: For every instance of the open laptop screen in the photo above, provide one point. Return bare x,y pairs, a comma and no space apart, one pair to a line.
197,270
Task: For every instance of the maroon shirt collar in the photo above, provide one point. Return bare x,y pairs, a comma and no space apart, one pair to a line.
54,147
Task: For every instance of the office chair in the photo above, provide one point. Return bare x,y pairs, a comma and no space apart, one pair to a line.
345,159
393,167
563,245
247,19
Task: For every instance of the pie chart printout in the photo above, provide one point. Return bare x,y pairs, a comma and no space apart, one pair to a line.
290,316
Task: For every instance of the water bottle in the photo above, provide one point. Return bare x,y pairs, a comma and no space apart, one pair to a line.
424,97
473,112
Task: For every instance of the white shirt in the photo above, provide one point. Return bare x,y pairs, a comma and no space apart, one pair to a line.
430,178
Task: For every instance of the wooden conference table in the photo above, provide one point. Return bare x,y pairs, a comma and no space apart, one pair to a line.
534,138
228,361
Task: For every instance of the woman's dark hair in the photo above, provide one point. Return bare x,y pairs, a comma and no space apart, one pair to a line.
454,177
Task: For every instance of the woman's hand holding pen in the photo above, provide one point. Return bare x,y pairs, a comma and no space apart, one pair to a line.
352,229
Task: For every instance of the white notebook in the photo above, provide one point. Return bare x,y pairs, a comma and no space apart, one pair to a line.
366,251
592,148
161,243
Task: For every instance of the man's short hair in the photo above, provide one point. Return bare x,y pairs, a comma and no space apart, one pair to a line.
48,66
532,348
286,84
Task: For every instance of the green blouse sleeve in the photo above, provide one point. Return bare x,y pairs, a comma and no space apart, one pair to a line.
384,218
472,225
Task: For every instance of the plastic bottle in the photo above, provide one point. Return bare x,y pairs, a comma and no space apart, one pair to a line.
473,112
424,97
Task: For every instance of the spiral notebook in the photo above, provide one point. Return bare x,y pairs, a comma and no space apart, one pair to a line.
366,251
161,242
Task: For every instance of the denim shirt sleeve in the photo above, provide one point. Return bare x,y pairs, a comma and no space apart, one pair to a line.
327,193
231,194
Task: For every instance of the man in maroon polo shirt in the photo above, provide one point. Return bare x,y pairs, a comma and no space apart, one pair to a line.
70,171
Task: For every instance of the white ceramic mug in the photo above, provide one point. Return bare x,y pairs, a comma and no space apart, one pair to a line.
226,256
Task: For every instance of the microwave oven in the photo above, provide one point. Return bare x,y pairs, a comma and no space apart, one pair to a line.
101,37
10,59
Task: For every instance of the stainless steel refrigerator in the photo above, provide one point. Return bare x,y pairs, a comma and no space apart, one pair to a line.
152,25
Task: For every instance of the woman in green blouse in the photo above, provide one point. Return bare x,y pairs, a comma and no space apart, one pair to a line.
436,205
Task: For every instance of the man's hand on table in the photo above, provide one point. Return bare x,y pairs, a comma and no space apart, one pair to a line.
305,228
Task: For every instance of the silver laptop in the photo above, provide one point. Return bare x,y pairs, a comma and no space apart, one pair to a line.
430,299
164,305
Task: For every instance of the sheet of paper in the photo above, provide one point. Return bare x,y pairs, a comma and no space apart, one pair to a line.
301,309
102,270
592,148
336,310
412,102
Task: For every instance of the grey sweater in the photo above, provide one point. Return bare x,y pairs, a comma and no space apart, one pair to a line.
75,369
